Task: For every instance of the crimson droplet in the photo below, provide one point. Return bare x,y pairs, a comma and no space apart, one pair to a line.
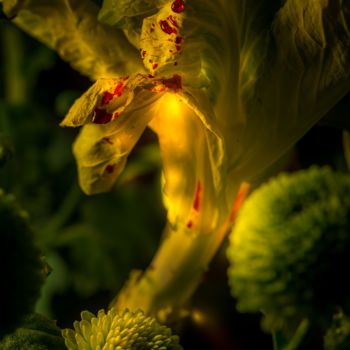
172,21
106,97
174,82
110,169
164,25
101,116
178,6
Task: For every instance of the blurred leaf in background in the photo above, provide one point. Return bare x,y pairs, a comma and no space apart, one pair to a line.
91,243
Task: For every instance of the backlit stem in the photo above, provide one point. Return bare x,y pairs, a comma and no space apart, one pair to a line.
175,271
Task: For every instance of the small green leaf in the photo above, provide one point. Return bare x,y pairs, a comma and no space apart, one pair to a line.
20,265
35,333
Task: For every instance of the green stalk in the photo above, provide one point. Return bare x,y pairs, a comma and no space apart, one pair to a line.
173,275
297,342
15,83
175,271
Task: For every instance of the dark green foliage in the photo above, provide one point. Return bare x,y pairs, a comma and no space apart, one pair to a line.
6,150
35,333
289,249
338,335
21,269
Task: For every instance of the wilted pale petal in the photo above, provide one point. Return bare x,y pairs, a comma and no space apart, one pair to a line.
113,126
71,28
291,75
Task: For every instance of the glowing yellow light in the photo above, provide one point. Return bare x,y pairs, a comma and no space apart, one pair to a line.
198,317
172,104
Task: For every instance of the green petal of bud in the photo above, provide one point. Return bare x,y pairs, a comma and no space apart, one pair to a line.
21,269
114,330
37,332
289,248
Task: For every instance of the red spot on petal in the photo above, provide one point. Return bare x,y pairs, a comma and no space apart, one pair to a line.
196,201
178,6
172,21
143,53
164,25
173,83
106,97
151,30
189,224
108,140
178,47
155,66
150,61
150,76
179,40
110,169
170,50
175,63
101,116
119,89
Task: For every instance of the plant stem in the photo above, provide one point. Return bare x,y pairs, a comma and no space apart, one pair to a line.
297,341
174,273
15,83
48,235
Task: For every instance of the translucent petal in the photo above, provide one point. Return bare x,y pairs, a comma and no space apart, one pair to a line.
193,197
101,150
302,74
71,28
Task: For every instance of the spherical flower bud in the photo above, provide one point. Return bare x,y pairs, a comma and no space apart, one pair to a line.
37,332
113,331
289,250
21,268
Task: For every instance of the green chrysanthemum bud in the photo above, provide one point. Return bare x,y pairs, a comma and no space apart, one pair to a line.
115,331
338,335
21,269
37,332
289,250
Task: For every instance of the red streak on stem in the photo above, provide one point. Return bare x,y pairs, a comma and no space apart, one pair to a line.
196,201
238,202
